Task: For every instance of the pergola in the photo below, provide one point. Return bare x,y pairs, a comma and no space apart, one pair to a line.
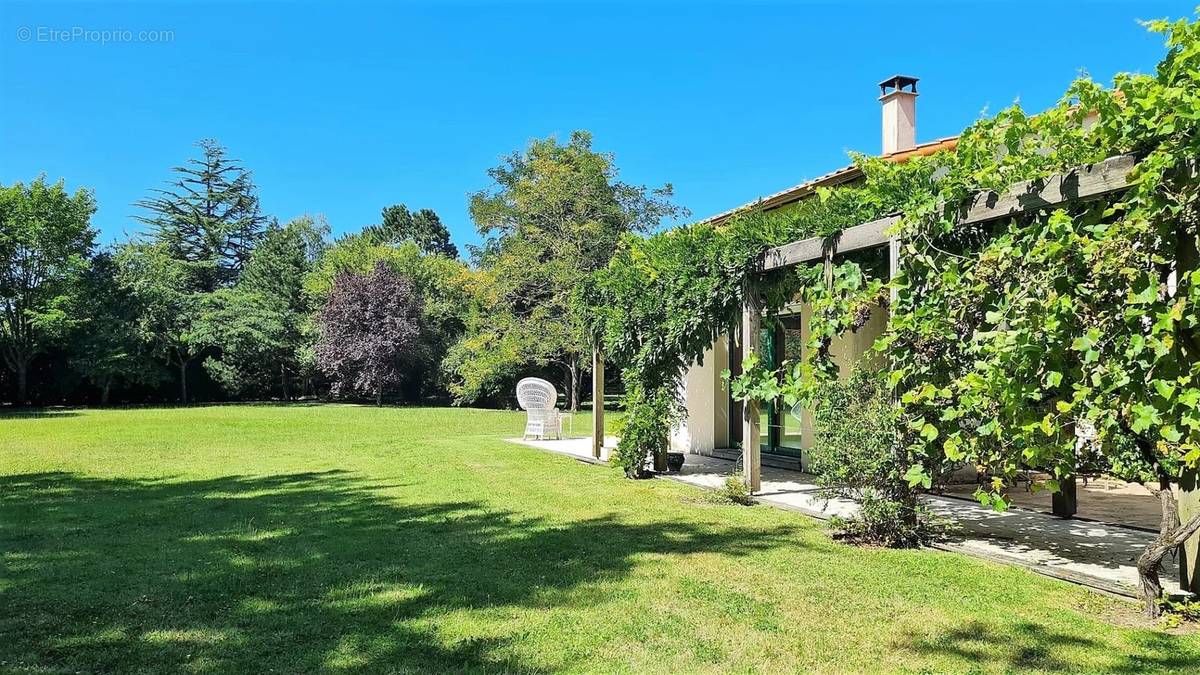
1082,183
1079,184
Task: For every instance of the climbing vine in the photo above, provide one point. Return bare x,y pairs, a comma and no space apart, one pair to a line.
1010,344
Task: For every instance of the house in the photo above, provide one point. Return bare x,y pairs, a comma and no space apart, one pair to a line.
713,425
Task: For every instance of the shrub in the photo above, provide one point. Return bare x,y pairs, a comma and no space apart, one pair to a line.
646,430
855,456
735,492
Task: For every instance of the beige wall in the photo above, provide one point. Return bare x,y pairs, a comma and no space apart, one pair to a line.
706,395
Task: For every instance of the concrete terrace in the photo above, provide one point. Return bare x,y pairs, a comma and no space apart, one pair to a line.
1094,554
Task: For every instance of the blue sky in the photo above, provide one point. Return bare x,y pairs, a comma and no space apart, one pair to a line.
341,109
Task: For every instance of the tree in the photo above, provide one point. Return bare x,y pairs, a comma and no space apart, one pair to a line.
261,326
369,326
423,228
169,308
107,347
207,217
45,242
442,284
555,213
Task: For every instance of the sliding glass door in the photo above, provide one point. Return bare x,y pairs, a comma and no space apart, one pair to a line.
779,431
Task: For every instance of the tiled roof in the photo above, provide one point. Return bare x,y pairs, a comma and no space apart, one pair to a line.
843,175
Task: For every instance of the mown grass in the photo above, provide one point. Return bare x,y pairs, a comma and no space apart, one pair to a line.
309,538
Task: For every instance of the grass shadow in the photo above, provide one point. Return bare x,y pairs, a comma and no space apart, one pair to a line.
299,572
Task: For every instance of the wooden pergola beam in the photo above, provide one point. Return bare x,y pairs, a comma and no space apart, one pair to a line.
854,238
1082,183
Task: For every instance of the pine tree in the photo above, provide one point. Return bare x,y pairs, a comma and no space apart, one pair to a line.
424,228
207,217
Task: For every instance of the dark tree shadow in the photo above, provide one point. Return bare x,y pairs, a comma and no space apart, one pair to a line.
1029,646
18,414
297,573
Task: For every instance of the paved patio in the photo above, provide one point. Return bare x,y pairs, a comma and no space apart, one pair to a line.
1094,554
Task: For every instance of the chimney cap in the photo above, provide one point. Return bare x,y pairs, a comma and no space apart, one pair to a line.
897,83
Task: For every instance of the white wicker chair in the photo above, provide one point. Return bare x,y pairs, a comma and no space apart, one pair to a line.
538,398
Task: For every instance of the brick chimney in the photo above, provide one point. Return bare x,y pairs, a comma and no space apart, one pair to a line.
898,94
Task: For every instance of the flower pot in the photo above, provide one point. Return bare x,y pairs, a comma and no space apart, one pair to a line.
675,461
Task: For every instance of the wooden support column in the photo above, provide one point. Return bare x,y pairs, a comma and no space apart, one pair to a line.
597,403
751,453
1065,502
893,270
1188,499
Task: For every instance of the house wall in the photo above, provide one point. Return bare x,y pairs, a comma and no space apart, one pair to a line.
705,396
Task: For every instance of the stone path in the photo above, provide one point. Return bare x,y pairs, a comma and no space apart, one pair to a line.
1089,553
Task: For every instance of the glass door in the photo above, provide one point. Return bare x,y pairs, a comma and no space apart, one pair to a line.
778,430
790,344
768,426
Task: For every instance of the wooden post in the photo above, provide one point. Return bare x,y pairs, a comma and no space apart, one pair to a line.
751,453
893,270
1188,499
597,402
1065,502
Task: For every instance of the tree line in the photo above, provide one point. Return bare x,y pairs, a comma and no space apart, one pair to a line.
215,300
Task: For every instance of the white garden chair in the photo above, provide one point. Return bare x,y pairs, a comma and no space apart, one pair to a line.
538,398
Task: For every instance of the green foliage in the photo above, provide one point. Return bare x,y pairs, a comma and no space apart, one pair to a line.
1177,612
443,284
45,241
664,299
646,429
424,228
555,214
843,303
204,227
262,327
106,347
734,491
1007,337
169,306
856,455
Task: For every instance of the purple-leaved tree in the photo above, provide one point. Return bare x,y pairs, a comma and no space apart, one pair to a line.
369,328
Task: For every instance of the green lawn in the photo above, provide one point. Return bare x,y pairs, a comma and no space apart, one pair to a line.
334,538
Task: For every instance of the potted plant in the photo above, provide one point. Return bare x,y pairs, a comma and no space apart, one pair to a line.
674,461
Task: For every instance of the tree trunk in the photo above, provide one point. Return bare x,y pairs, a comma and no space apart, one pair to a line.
379,397
104,389
22,382
1171,534
183,364
283,379
573,369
